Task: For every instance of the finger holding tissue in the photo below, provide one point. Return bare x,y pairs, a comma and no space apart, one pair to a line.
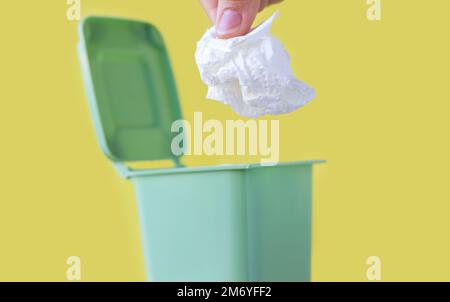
251,73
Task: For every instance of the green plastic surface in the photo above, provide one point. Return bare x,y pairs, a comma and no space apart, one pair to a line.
131,88
239,223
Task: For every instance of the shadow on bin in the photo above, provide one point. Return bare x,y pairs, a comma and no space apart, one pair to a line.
224,223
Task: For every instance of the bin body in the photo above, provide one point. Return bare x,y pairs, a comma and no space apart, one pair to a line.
239,224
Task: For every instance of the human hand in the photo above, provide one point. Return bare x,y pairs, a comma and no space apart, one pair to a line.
234,17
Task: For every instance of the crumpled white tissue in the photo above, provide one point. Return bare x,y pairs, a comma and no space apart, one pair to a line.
251,73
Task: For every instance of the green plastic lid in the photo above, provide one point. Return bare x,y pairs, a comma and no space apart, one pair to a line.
131,88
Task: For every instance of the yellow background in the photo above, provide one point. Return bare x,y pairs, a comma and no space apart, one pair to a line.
381,119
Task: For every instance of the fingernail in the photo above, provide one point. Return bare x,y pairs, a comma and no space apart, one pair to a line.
229,22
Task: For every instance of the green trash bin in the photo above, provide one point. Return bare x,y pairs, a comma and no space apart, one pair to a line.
224,223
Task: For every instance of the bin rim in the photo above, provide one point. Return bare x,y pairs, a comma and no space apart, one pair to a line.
129,173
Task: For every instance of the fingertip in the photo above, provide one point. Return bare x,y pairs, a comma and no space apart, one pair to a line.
235,18
229,24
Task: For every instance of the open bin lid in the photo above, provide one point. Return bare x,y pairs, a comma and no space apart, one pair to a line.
131,88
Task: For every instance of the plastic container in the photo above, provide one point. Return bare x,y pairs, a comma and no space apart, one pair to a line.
224,223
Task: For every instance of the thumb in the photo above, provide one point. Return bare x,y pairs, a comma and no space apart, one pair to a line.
235,17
